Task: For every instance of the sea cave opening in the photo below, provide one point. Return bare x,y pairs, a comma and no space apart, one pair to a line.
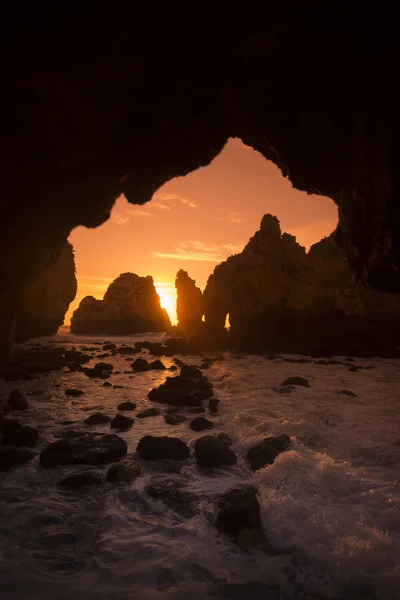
194,223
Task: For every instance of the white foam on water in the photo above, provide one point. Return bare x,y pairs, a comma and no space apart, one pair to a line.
331,504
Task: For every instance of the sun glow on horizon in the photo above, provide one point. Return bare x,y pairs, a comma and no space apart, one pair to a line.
167,293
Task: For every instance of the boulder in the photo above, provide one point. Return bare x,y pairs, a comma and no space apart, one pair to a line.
93,449
11,456
213,404
74,393
47,299
264,453
210,451
201,424
140,364
97,419
121,422
15,434
130,305
296,381
191,372
174,419
238,511
17,401
162,448
126,405
182,391
148,412
124,471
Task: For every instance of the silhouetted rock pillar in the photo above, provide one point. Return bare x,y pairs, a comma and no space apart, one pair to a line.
189,304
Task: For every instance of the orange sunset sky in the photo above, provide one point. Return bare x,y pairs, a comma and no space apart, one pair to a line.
194,223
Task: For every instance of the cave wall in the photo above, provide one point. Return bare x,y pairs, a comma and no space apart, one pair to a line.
99,103
48,298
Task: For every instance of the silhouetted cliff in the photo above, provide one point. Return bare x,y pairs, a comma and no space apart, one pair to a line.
282,298
130,305
48,298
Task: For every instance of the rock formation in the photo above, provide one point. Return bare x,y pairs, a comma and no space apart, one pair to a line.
282,298
189,304
130,305
106,112
48,298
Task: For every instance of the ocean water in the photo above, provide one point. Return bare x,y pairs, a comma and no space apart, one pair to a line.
330,506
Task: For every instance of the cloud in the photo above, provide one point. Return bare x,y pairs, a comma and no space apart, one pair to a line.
235,217
124,216
172,200
200,251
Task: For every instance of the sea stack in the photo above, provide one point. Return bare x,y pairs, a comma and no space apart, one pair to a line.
130,305
189,304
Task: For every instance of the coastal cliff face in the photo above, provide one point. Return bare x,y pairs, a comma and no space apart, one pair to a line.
130,305
280,297
48,298
189,304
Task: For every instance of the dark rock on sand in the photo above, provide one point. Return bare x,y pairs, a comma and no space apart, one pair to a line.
266,452
15,434
77,481
201,424
11,456
126,405
149,412
210,451
191,372
121,422
74,393
157,365
158,448
17,401
175,496
213,404
174,419
286,389
109,346
124,471
107,384
84,449
296,381
97,419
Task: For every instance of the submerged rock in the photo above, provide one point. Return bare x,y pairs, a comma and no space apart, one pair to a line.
97,419
201,424
301,381
213,404
239,512
15,434
11,456
175,496
74,393
149,412
124,471
174,419
84,449
17,401
121,422
266,452
77,481
140,364
126,405
347,393
210,451
159,448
